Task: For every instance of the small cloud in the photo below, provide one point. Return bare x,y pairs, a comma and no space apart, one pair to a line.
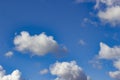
109,53
9,54
88,21
88,78
82,42
110,12
44,71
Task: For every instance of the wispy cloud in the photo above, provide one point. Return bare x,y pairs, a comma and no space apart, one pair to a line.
9,54
44,71
82,42
95,62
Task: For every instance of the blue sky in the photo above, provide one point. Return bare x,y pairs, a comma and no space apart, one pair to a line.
77,27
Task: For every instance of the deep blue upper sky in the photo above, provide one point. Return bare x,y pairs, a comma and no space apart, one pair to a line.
63,19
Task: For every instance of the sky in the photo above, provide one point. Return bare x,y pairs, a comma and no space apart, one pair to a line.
59,40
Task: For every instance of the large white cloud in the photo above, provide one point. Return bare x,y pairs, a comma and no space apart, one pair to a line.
107,10
111,11
113,54
37,44
15,75
107,52
67,71
111,14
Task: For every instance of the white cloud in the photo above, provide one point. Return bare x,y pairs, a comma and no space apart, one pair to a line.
113,54
107,52
115,75
88,78
9,54
82,42
15,75
67,71
106,2
117,64
44,71
107,10
111,11
111,14
37,44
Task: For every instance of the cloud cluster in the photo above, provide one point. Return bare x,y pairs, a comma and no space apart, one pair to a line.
108,11
15,75
37,44
111,53
67,71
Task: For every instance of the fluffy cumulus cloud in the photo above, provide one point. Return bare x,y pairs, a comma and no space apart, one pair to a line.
37,44
107,52
15,75
68,71
110,12
111,53
107,10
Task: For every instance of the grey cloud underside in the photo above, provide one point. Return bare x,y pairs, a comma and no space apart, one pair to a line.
67,71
